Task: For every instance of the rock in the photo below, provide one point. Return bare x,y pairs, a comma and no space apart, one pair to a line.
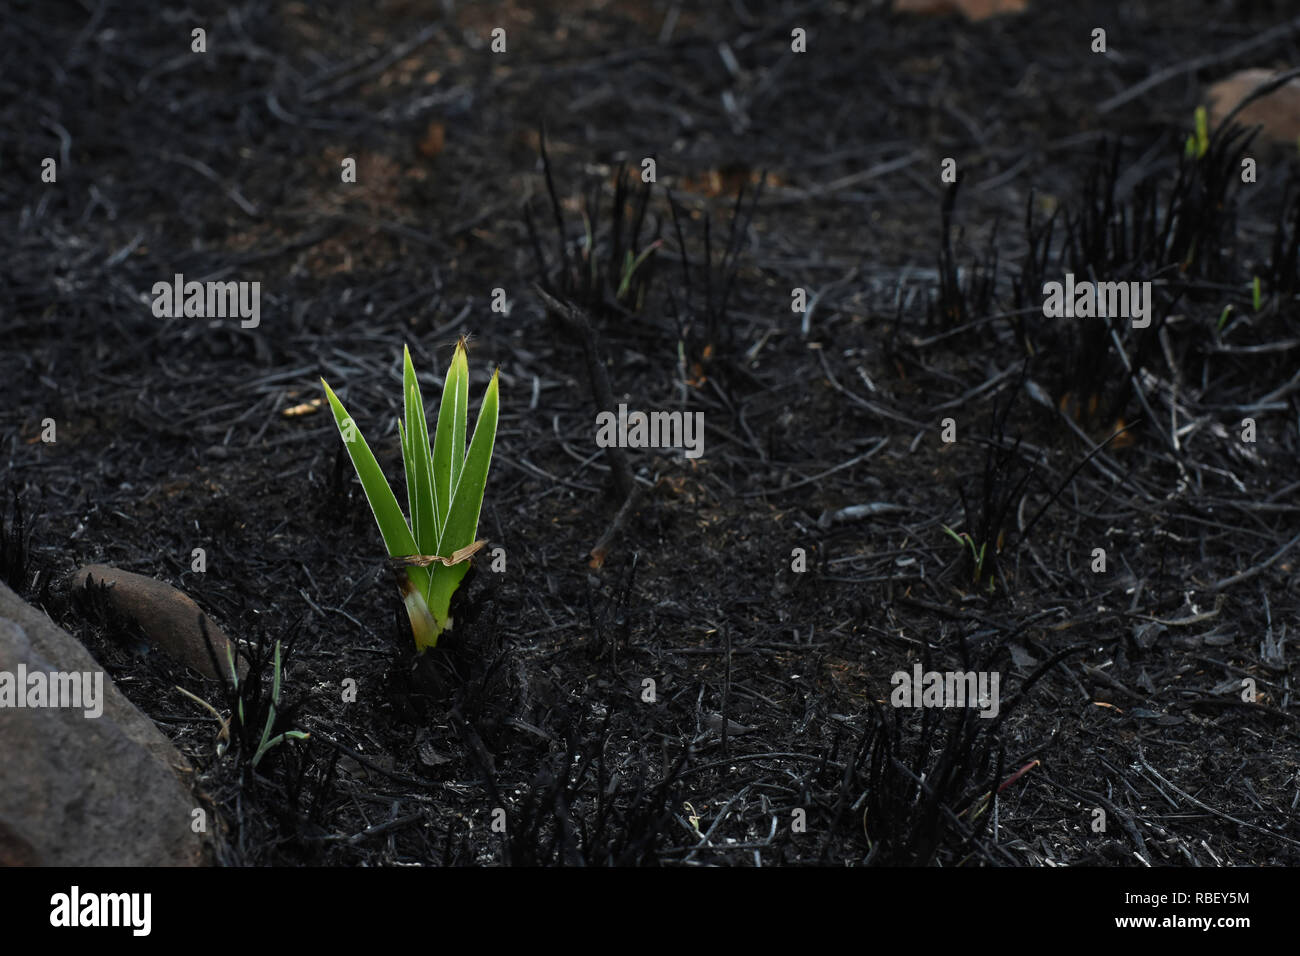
79,790
971,9
168,617
1279,111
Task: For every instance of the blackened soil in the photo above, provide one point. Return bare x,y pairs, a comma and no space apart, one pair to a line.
692,699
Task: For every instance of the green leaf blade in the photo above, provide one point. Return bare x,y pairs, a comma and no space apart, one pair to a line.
383,503
444,441
461,420
408,467
462,515
419,473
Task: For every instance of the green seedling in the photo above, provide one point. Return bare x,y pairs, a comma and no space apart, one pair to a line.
1198,143
977,554
1256,296
630,265
444,490
267,743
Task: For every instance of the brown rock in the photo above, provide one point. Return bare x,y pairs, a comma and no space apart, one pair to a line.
168,617
971,9
1279,111
89,785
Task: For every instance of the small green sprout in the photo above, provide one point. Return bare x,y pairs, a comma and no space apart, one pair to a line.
267,743
1255,293
1225,315
977,554
444,489
1198,143
630,265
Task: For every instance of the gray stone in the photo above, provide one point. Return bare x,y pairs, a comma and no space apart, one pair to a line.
78,790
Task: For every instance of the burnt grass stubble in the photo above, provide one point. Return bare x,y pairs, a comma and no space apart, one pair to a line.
1121,691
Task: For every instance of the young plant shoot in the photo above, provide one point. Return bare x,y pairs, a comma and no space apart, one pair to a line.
444,492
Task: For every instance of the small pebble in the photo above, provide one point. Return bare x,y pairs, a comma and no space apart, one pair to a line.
1279,111
168,617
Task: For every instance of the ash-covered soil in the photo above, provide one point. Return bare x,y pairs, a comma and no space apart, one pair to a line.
692,699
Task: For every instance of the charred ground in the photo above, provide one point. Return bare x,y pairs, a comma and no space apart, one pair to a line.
1121,691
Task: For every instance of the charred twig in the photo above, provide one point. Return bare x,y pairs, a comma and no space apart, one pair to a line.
1257,569
575,320
1198,63
1209,809
726,691
600,550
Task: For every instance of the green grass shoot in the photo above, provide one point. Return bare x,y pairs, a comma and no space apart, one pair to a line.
1198,143
267,742
444,492
977,554
630,266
